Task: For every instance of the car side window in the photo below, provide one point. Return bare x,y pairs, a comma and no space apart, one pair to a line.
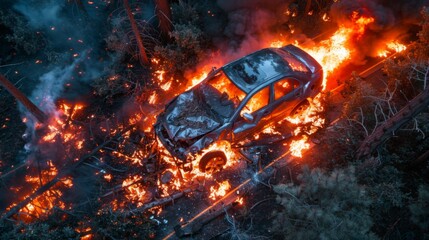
257,101
294,63
284,87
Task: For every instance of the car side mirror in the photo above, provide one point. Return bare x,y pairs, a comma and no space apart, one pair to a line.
248,117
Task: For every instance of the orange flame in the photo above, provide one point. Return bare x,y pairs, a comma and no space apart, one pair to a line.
135,191
331,53
220,191
297,146
392,46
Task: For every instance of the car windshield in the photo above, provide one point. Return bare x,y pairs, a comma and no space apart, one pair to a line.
222,95
256,68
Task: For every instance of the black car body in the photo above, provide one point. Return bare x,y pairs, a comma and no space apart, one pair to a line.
238,99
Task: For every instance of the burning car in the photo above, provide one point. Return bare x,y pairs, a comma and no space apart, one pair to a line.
236,101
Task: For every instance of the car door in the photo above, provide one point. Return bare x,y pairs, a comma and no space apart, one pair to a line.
287,94
255,112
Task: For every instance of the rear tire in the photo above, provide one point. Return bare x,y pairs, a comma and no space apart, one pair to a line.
298,110
212,161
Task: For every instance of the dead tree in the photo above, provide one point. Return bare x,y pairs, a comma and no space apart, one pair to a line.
142,52
163,13
385,130
41,117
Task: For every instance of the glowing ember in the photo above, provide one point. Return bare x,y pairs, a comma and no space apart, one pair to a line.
220,191
108,177
84,231
240,201
152,98
135,191
41,206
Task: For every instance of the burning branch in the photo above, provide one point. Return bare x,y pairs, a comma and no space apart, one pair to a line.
142,53
68,169
41,117
161,201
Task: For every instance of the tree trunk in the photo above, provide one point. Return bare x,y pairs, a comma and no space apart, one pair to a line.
163,14
41,117
385,130
308,6
142,53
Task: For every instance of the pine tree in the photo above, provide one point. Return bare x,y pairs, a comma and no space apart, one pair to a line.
323,206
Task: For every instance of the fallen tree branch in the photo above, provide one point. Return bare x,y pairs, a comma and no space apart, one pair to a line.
41,117
385,130
160,202
65,171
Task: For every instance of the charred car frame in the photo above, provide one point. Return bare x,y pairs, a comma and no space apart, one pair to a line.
237,100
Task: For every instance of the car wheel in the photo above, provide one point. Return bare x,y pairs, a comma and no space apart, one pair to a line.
298,110
212,161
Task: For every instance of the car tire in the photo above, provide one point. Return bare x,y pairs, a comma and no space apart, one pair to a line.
300,108
212,161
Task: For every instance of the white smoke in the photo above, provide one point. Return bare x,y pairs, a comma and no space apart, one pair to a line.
52,85
41,13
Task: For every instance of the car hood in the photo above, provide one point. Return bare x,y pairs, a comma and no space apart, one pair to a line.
189,116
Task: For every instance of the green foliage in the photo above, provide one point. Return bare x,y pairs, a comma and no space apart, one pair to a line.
118,225
118,40
185,49
185,13
409,70
21,36
420,209
323,206
38,230
182,54
385,189
359,107
103,224
111,86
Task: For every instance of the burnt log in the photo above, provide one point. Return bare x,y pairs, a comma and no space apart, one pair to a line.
160,202
386,130
30,106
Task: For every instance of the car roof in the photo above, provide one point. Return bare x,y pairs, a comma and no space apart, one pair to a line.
255,69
